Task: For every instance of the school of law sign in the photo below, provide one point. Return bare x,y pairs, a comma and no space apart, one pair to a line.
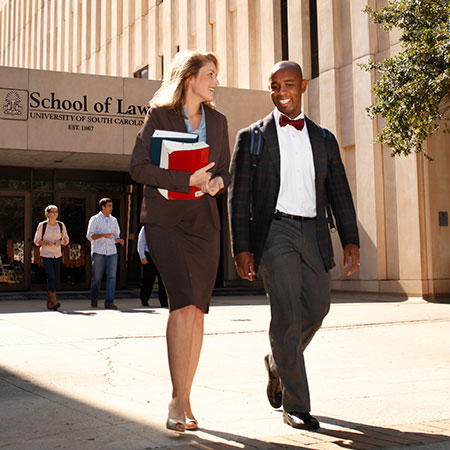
78,116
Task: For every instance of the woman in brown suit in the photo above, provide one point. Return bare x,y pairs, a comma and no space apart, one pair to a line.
183,235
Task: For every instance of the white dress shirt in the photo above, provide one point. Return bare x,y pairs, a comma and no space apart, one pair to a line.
297,194
100,224
142,244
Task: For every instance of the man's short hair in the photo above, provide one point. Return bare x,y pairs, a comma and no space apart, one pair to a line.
103,202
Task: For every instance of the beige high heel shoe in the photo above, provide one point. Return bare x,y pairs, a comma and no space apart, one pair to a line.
176,425
191,424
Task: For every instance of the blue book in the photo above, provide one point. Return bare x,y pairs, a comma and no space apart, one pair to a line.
160,135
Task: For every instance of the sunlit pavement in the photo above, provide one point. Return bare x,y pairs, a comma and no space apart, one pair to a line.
86,378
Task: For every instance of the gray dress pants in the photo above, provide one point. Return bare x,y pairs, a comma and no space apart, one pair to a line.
298,287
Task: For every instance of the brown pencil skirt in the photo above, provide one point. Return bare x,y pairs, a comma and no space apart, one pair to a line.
187,258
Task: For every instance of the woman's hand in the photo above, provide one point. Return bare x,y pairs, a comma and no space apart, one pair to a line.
213,186
200,176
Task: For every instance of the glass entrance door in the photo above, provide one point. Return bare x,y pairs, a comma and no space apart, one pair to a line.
14,242
73,209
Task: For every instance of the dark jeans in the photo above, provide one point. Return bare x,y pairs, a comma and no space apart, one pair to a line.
298,287
51,267
149,274
100,265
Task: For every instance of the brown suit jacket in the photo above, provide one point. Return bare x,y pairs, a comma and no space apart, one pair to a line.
251,208
155,208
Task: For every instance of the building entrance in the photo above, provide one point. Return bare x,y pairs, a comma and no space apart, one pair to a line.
76,193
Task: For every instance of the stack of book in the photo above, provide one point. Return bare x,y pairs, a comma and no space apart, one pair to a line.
174,150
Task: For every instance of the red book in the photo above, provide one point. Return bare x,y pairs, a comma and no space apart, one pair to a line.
185,157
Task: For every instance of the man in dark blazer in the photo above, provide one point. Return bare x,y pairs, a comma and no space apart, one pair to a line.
279,207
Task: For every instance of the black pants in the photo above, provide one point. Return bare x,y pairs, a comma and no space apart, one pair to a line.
150,272
298,288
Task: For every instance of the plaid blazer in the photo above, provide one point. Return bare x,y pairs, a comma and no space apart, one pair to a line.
251,208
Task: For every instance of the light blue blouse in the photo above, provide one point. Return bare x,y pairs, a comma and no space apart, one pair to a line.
201,130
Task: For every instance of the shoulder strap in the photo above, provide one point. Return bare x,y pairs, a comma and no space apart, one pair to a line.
255,146
255,153
44,227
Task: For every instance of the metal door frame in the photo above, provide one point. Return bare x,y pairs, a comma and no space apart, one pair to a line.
27,236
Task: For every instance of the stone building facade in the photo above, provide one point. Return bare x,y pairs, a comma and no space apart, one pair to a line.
402,203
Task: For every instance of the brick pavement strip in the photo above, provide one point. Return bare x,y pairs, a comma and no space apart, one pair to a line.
394,436
360,438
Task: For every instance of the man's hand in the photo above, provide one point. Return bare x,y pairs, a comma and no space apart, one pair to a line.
351,251
212,186
245,265
144,261
120,241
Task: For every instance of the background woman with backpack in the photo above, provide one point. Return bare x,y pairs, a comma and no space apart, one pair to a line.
50,235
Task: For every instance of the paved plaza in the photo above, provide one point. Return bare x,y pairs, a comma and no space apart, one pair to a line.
86,378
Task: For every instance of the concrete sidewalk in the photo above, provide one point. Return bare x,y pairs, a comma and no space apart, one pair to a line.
86,378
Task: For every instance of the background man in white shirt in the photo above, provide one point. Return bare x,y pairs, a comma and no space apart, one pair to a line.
104,233
279,208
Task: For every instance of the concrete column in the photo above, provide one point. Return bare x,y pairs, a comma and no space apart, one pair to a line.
127,38
167,33
85,40
105,37
40,37
242,37
60,35
13,33
25,34
408,227
154,60
299,35
270,49
77,22
96,21
139,40
184,25
20,33
68,36
45,35
224,43
368,157
203,27
2,35
53,42
116,31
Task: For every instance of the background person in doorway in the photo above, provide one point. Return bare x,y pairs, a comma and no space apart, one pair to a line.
50,235
104,233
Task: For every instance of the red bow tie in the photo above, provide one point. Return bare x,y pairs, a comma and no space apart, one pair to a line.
299,123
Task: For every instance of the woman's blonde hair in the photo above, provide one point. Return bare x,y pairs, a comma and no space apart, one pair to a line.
48,208
184,65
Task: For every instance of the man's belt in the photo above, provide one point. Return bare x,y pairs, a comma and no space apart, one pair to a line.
278,215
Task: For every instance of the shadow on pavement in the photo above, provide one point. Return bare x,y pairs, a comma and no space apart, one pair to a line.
35,417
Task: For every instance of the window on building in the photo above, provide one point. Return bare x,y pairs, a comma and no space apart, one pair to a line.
141,73
284,31
314,38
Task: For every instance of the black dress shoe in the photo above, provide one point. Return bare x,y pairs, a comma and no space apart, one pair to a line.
94,303
144,303
274,394
303,421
